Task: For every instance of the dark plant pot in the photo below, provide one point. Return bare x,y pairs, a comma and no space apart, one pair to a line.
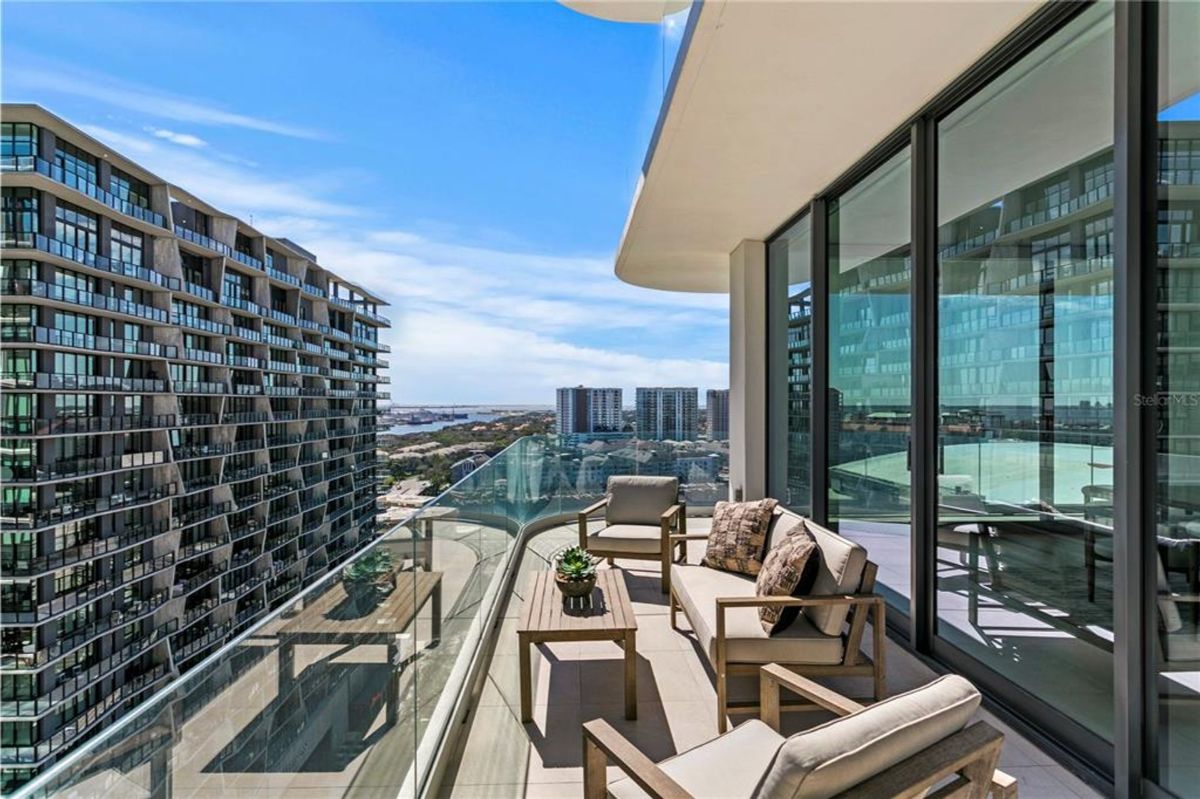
573,589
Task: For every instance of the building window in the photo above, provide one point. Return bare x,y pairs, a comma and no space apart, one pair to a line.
75,227
76,165
18,216
126,245
18,145
129,189
789,337
868,273
1024,535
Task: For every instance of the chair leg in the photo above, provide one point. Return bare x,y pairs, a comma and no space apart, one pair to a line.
879,631
595,763
611,562
722,698
674,610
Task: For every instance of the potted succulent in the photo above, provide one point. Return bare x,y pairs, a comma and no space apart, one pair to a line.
575,573
370,578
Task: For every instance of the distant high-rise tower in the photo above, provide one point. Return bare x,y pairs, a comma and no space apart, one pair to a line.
668,413
716,408
588,410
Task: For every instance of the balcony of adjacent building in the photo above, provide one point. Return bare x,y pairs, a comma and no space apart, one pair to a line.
345,686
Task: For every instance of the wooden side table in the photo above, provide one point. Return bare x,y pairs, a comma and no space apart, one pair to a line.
545,617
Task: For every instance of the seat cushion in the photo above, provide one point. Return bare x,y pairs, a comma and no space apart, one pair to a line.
789,570
640,500
738,536
839,570
725,767
698,587
635,539
836,756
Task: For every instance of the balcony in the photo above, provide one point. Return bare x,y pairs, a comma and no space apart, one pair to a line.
25,334
474,531
86,299
59,175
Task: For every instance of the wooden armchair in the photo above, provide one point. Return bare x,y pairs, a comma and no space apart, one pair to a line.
640,515
907,745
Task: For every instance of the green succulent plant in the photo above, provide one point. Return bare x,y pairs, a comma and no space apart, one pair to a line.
574,563
369,568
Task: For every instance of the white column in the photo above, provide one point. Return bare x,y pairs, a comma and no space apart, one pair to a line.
748,370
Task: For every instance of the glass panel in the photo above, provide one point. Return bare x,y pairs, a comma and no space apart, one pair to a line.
789,370
1025,372
1177,654
352,684
869,365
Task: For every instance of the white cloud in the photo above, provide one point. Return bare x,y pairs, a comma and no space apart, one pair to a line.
236,190
43,76
472,323
182,139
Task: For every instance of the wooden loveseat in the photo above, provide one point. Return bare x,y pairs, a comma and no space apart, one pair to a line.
826,636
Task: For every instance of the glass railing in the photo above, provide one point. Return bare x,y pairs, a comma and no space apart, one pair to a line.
354,684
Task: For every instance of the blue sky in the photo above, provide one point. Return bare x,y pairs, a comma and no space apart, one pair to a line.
473,162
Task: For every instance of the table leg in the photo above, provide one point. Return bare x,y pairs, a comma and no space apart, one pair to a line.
436,610
392,691
630,675
523,645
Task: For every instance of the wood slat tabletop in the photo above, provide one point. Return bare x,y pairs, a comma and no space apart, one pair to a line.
393,615
609,614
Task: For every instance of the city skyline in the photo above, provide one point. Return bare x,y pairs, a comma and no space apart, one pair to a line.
504,296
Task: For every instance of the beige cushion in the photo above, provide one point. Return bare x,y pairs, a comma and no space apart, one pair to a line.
836,756
738,536
725,767
839,571
635,539
640,500
698,587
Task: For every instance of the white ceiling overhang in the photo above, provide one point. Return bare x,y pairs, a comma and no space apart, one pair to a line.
772,101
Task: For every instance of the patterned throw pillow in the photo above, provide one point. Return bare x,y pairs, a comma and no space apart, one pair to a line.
739,535
790,569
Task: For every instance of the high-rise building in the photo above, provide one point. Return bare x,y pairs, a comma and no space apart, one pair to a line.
668,413
189,416
588,410
716,410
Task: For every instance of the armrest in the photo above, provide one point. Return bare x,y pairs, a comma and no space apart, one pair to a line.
671,513
689,536
772,677
590,509
602,743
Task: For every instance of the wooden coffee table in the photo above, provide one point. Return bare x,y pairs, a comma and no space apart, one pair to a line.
545,617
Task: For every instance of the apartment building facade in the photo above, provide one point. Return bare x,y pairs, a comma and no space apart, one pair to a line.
668,413
582,410
960,244
716,412
189,431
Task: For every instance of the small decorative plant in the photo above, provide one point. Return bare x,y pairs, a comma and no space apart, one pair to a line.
575,572
370,578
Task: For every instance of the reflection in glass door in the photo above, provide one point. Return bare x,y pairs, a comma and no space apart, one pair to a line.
1024,531
869,410
1176,644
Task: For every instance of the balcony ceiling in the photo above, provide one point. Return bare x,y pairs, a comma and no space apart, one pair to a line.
627,10
771,103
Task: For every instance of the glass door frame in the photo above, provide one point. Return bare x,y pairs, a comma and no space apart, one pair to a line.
1129,760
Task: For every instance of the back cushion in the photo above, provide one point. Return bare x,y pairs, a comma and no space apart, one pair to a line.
640,500
839,571
834,757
